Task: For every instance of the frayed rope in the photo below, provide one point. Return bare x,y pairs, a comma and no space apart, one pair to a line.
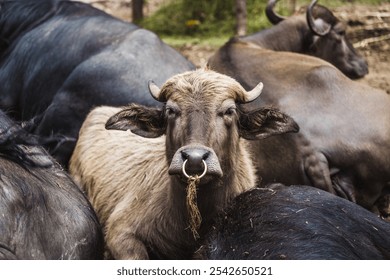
192,206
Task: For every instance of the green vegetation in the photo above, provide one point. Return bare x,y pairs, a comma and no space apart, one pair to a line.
203,18
213,21
179,41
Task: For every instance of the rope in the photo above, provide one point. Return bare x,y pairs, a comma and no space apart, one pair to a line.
192,207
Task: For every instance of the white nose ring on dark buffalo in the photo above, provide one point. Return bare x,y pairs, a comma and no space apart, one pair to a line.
200,176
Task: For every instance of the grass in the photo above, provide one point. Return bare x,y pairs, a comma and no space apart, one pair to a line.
177,19
178,41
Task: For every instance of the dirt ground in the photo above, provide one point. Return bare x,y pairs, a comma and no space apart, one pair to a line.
368,30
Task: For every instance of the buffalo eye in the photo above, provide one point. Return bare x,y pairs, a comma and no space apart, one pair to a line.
341,32
339,29
227,112
230,111
171,112
228,115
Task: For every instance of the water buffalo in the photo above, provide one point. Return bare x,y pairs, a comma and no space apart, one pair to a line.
296,222
343,145
137,181
59,59
43,213
318,34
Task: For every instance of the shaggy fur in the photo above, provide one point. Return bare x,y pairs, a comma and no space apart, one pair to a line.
136,206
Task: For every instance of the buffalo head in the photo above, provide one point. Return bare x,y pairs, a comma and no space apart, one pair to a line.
203,122
326,38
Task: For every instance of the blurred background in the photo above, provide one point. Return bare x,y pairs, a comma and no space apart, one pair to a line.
198,27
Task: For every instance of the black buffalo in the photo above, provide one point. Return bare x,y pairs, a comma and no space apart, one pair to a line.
43,213
59,59
296,222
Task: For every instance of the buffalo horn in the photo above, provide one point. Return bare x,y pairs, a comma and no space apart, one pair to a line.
154,90
273,17
254,93
320,28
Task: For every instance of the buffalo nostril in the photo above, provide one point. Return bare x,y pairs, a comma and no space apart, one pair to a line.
195,155
195,158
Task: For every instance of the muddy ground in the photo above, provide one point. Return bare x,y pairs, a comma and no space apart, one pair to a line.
368,29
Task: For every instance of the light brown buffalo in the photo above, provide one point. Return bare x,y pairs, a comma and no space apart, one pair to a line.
135,180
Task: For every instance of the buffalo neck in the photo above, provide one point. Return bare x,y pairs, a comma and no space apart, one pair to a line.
214,194
212,197
289,36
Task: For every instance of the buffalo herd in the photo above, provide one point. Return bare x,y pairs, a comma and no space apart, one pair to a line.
114,146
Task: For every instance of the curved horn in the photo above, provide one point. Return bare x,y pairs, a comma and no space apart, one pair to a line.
254,93
273,17
320,29
154,90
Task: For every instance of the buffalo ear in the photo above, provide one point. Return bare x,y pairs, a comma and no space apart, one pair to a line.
264,123
141,120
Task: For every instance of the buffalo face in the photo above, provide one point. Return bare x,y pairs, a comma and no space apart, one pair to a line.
203,122
326,38
330,42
